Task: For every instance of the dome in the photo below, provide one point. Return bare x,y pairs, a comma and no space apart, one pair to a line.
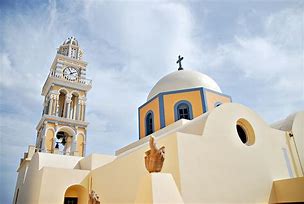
183,79
71,40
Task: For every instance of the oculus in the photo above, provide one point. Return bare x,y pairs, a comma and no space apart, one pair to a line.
245,131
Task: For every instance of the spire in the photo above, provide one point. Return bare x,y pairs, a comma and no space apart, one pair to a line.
179,62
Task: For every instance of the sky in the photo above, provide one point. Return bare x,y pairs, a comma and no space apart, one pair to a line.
254,50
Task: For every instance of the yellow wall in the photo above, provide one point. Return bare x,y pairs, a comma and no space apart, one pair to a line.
287,191
194,97
212,98
153,106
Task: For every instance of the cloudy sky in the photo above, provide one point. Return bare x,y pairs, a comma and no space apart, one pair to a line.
253,49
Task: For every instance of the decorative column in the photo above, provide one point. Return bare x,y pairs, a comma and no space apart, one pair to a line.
80,110
74,143
75,104
43,137
83,105
68,105
53,98
45,103
84,110
84,148
77,116
79,113
50,104
57,105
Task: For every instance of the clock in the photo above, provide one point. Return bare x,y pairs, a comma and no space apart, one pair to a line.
70,73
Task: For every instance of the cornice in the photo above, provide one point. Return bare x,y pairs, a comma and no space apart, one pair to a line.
68,60
60,120
51,80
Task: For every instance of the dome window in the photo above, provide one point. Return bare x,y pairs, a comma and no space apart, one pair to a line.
217,104
245,132
183,110
149,123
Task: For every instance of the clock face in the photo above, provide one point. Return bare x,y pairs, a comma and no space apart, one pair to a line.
70,73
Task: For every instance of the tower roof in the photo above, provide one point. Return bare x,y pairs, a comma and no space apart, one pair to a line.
71,40
70,48
183,79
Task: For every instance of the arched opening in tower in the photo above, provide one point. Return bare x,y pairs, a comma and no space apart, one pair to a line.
63,143
74,112
62,97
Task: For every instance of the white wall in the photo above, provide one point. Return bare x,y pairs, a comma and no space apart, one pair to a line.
218,167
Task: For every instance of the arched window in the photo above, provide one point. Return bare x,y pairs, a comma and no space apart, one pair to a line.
149,123
183,110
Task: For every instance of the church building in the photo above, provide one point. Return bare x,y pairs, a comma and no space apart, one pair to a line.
195,146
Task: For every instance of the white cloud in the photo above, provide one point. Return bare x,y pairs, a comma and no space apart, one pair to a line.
268,65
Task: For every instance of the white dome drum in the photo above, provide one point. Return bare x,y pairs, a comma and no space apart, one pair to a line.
183,79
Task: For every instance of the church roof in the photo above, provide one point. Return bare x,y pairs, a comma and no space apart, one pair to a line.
183,79
285,124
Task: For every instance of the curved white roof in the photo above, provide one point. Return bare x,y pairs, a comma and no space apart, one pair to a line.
183,79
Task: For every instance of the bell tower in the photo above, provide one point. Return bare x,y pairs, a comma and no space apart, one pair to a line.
62,127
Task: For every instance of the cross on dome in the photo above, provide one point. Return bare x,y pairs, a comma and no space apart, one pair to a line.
179,62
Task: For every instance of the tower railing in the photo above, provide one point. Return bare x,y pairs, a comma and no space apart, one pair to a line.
79,80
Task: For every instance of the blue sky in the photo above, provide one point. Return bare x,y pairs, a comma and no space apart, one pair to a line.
252,49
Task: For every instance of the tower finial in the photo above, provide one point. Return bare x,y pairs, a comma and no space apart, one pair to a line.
179,62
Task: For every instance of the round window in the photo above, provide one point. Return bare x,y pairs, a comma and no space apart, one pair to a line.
245,132
242,134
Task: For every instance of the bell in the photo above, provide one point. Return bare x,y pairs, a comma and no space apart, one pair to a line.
63,141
